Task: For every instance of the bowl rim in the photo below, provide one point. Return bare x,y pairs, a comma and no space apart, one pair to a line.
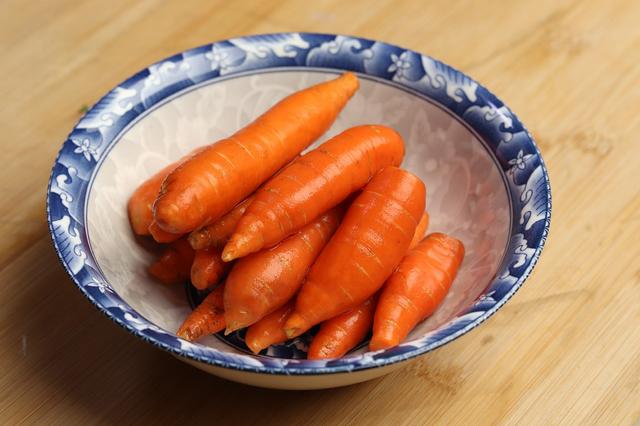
512,146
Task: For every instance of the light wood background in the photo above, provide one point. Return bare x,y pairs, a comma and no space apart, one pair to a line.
565,349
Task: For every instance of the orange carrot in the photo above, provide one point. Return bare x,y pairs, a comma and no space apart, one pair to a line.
207,318
174,264
262,282
160,235
421,229
217,233
268,331
313,184
207,268
140,205
372,239
416,289
207,186
340,334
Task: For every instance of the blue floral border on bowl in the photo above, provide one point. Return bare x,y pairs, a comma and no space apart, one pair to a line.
515,151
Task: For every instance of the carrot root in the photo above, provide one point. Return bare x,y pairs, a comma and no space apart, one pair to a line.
207,318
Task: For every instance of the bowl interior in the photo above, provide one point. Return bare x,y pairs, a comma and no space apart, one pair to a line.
466,193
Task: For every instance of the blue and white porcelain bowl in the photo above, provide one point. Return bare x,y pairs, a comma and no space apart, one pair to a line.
486,182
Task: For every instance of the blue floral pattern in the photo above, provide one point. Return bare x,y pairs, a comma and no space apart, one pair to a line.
505,135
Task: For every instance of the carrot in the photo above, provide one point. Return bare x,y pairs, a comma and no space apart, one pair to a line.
207,186
372,239
160,235
217,233
174,264
268,331
340,334
416,289
207,318
420,230
312,184
140,205
207,268
262,282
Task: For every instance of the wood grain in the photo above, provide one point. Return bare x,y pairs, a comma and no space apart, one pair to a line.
565,350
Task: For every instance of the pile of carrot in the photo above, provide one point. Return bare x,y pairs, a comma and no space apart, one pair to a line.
285,242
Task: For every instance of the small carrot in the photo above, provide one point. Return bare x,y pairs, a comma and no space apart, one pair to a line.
207,318
160,235
416,289
174,264
340,334
312,184
217,233
372,239
262,282
268,331
140,205
421,229
207,268
208,185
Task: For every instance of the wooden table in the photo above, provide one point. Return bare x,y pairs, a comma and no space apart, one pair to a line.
566,349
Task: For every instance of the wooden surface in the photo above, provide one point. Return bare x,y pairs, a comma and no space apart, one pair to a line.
566,349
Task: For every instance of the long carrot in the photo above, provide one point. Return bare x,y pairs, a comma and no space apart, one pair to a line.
140,205
207,186
268,331
262,282
217,233
416,289
174,264
160,235
340,334
313,184
208,268
420,230
207,318
372,239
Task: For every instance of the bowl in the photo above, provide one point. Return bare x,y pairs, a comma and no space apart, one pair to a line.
486,184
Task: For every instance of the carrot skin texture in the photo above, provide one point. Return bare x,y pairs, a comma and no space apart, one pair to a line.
268,331
207,318
217,234
207,186
372,239
208,268
264,281
174,264
140,204
340,334
421,230
416,289
312,184
160,235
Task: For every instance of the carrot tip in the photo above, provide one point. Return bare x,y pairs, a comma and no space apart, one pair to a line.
184,334
291,332
228,256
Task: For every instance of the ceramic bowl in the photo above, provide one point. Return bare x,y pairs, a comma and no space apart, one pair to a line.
486,182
